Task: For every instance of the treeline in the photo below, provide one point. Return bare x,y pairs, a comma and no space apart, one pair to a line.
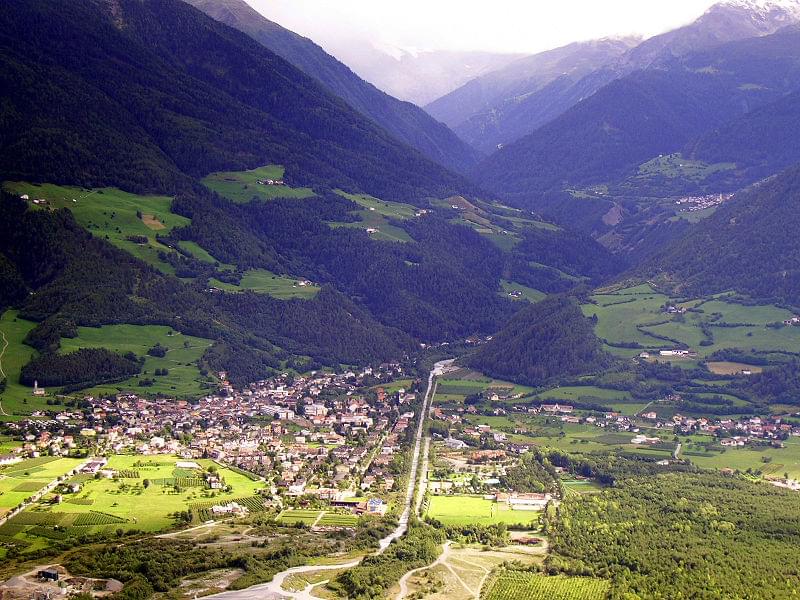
681,535
87,366
533,473
543,341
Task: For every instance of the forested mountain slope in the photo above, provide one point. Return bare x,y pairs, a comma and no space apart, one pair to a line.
403,120
749,245
760,142
494,108
148,94
647,113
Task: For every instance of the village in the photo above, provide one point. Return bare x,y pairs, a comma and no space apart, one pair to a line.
334,436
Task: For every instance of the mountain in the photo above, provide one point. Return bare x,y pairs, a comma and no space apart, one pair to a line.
419,76
544,340
726,21
761,142
403,120
749,245
513,116
490,110
147,95
645,114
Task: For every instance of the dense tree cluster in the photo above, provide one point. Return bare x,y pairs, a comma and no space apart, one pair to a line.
548,339
681,535
87,366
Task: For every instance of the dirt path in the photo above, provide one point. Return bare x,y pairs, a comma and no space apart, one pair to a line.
2,352
3,413
182,531
404,579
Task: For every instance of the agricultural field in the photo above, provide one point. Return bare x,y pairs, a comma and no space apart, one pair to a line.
464,510
636,316
375,215
296,515
24,479
17,398
242,186
455,388
394,386
525,585
114,215
145,501
183,352
770,461
517,291
263,281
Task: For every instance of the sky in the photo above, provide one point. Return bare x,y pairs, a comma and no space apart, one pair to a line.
524,26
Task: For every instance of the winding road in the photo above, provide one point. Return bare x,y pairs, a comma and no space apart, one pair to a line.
273,590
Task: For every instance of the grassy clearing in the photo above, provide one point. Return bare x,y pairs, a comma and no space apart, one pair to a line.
465,510
676,166
16,399
243,186
375,214
517,291
203,255
183,352
523,585
128,504
114,215
262,281
22,480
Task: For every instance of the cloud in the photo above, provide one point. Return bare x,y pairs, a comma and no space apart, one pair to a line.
498,25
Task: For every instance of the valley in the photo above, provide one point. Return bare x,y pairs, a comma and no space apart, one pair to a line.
268,331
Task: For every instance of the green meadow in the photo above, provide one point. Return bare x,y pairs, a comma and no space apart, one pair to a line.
242,186
521,292
183,352
114,215
22,480
16,399
770,461
127,502
263,281
375,214
635,315
475,510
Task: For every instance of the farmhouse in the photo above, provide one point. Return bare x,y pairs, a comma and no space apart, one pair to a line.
232,508
557,408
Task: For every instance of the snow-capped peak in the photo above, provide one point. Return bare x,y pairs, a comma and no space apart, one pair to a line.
765,7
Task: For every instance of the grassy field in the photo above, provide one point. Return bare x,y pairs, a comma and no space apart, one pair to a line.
781,460
266,282
675,165
183,351
14,355
22,480
296,515
523,585
636,315
464,510
126,502
525,292
114,215
242,186
375,215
